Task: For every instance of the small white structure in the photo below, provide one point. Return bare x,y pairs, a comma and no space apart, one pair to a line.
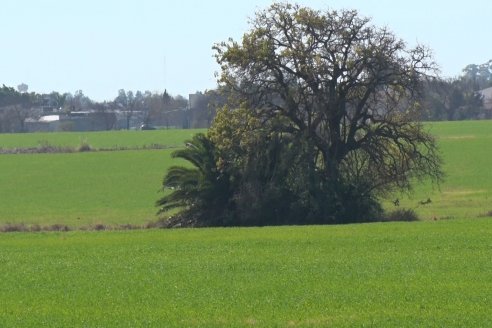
49,118
487,98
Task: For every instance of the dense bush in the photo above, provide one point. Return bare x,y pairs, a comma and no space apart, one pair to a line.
271,186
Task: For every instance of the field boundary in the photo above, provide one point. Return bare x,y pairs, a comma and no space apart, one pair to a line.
50,149
21,227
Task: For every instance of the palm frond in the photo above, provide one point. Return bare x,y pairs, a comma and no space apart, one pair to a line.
197,188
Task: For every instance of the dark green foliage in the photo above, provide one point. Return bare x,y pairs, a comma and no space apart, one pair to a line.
281,188
202,191
273,187
263,192
323,121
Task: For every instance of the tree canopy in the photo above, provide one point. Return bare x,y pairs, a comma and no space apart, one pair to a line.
345,85
332,105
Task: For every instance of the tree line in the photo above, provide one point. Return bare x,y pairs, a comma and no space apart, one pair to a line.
459,98
156,109
442,100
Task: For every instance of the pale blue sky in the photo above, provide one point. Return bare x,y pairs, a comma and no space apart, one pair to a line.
105,45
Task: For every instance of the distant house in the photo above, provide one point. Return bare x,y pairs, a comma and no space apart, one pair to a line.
49,118
130,119
487,98
487,101
48,123
73,121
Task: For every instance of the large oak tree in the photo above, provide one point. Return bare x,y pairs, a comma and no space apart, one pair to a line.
320,123
349,89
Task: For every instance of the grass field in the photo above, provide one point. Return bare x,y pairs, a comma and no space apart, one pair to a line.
467,189
420,274
425,274
77,189
98,139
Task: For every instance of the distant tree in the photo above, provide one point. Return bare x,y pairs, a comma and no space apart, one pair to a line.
126,101
59,100
106,115
22,87
130,107
166,98
479,76
14,109
181,106
453,99
121,99
155,105
78,101
139,101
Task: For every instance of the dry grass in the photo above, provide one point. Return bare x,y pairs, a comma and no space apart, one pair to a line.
83,147
486,215
401,215
21,227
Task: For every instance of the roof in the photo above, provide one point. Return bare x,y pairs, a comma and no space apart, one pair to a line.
486,92
49,118
487,97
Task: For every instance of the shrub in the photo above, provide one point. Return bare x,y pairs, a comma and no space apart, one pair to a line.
36,228
403,214
57,227
486,215
128,226
84,146
95,227
14,227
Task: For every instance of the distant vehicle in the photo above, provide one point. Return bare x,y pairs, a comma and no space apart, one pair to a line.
146,127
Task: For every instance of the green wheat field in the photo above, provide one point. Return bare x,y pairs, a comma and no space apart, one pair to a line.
432,273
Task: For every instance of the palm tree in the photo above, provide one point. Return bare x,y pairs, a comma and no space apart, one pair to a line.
202,191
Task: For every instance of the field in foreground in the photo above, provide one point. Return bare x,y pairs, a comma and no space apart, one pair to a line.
425,274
